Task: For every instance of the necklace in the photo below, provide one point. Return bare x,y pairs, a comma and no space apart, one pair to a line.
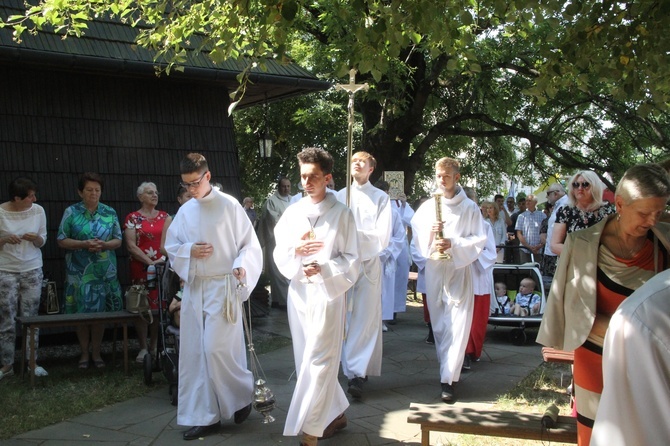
629,252
312,234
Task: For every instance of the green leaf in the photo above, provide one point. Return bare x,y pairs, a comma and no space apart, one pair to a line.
289,10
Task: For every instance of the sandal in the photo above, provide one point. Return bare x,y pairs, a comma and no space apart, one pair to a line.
99,363
83,364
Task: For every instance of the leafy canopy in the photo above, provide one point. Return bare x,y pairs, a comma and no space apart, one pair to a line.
585,41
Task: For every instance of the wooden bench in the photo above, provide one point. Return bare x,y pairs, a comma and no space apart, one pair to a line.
115,318
553,355
460,420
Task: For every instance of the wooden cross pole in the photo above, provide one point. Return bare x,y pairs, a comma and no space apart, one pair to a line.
352,88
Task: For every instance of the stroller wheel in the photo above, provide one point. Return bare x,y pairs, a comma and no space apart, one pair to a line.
517,336
173,394
148,368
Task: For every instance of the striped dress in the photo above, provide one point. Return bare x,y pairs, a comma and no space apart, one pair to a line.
617,279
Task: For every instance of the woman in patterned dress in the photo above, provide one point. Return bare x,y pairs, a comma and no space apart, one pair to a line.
585,208
599,268
90,232
142,235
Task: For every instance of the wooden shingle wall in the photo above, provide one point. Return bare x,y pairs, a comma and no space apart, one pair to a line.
55,125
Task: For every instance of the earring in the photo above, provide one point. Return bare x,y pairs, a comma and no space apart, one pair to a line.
618,216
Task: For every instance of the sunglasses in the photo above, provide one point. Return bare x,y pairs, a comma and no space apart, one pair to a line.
584,184
193,184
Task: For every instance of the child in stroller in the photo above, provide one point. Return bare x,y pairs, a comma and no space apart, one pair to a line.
527,279
527,301
503,304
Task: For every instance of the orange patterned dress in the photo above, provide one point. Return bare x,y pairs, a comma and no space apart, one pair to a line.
617,279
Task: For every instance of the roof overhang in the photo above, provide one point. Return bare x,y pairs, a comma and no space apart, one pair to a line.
109,47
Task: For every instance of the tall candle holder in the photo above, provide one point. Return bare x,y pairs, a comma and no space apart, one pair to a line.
437,255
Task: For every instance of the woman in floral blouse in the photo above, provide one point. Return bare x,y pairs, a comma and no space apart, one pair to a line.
585,208
142,236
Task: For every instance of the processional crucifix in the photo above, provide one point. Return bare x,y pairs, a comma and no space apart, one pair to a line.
352,88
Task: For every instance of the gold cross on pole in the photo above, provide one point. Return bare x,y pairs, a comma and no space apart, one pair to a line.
352,88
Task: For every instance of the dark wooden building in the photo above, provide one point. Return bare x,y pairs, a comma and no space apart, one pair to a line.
95,104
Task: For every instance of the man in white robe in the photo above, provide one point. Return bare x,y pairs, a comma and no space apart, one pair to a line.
391,267
362,351
636,370
212,246
273,209
404,261
317,229
450,293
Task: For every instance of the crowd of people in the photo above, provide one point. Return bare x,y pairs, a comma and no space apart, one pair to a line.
338,263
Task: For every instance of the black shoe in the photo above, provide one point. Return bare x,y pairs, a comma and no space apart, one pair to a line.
430,339
201,431
356,387
467,363
242,414
448,395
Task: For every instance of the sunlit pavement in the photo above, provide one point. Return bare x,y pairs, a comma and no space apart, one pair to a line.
409,374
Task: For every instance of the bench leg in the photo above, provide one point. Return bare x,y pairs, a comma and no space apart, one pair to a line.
125,347
24,347
114,344
425,437
32,357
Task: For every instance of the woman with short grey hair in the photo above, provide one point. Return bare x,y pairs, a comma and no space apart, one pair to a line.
599,268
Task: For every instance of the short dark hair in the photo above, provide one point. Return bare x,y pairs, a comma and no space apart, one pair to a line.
497,196
193,162
21,187
383,185
181,191
314,155
90,177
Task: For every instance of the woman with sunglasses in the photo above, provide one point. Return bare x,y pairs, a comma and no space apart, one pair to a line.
599,268
585,208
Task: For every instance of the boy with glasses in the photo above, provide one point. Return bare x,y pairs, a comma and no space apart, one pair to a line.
212,246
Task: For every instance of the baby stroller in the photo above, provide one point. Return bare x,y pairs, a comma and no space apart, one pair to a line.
511,276
167,352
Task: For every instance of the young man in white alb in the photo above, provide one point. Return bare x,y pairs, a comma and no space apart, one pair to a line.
449,281
362,350
212,247
317,249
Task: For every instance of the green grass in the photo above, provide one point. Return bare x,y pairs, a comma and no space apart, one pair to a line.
68,392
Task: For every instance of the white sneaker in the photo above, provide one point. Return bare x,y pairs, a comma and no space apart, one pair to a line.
39,371
384,328
140,355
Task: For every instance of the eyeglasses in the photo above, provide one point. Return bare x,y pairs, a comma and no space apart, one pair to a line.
151,192
583,184
552,192
193,184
